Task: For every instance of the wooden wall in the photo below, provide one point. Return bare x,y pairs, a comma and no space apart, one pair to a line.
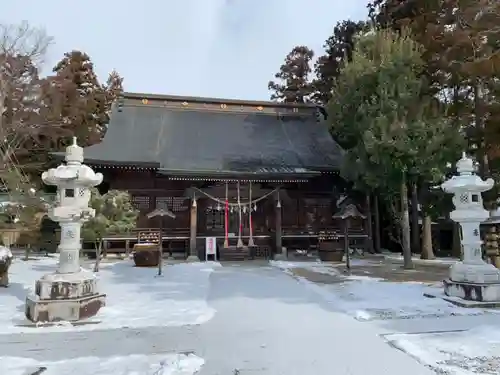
306,207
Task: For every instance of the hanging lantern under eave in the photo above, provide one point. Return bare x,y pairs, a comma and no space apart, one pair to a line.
218,207
255,207
244,209
278,205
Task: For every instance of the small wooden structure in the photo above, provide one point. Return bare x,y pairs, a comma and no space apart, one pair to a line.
146,254
349,215
148,251
160,213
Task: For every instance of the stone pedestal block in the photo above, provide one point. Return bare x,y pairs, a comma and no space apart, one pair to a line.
477,273
65,297
480,292
4,271
70,310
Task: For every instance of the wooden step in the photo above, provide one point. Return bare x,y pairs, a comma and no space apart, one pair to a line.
233,253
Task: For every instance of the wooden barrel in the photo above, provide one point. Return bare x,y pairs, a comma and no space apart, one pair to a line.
331,251
146,255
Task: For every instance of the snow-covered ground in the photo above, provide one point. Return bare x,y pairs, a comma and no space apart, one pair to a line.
167,364
136,297
369,299
464,351
470,352
257,319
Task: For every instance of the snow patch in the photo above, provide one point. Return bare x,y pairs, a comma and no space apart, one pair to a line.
471,352
368,300
317,266
166,364
136,297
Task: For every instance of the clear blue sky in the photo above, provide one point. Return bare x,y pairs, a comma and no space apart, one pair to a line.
221,48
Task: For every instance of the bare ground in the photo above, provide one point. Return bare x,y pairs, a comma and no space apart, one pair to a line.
385,269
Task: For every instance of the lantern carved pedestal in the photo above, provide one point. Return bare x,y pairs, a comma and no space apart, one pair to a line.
71,292
472,282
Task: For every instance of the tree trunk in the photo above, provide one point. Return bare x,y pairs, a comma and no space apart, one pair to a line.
369,226
415,225
376,214
427,252
405,227
98,248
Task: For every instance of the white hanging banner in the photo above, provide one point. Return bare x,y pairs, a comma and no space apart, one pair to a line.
210,246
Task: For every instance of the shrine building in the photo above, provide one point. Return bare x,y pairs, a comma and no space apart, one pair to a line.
245,172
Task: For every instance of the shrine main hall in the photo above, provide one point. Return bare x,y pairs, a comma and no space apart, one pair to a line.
254,175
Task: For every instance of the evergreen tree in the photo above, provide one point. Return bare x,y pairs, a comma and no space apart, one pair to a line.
114,213
392,130
113,89
338,48
293,85
82,100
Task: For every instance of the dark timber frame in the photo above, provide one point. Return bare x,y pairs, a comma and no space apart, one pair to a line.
165,150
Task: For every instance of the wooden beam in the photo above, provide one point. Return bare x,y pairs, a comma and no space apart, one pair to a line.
193,228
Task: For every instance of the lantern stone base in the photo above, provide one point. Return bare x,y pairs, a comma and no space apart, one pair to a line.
65,297
479,273
462,302
480,292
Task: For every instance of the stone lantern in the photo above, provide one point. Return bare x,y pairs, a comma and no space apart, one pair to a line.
471,279
71,292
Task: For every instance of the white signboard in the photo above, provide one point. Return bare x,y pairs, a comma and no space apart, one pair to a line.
210,246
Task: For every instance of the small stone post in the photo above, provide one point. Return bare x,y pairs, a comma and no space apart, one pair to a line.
71,292
471,279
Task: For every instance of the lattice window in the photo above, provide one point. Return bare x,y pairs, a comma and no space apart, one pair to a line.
141,202
179,204
174,204
464,198
214,218
318,214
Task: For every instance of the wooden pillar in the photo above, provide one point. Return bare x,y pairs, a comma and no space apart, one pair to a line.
278,224
193,251
127,247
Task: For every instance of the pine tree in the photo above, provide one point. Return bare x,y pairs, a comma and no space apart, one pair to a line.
393,131
293,85
82,100
114,213
338,48
113,88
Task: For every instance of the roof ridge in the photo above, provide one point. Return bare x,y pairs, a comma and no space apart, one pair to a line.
212,100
